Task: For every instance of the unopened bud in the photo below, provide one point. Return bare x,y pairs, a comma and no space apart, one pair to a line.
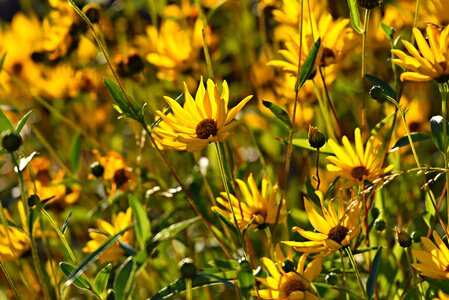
33,200
288,266
96,169
11,141
187,268
403,238
316,137
369,4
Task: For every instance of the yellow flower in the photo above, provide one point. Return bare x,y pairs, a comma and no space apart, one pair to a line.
441,296
13,242
430,61
98,237
288,284
434,261
359,165
258,207
334,230
203,120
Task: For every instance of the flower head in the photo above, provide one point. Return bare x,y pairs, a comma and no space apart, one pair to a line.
13,242
434,261
203,120
430,60
335,228
288,284
359,165
105,229
258,207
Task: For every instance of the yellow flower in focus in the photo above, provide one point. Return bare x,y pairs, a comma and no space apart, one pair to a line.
359,165
288,284
430,60
433,262
334,230
258,207
200,121
105,230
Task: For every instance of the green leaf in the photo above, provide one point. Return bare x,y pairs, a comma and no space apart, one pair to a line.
388,31
5,124
75,152
174,229
23,121
311,192
130,109
246,278
309,65
436,126
143,226
92,257
66,222
166,112
101,280
304,143
124,279
79,282
280,113
382,123
330,188
404,141
372,278
387,89
355,16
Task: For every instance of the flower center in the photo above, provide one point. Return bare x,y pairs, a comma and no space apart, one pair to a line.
292,284
120,177
328,57
17,68
359,172
206,128
338,233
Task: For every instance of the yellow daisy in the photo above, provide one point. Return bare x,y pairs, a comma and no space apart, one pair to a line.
334,230
105,229
359,165
258,207
203,120
430,60
13,242
288,284
434,261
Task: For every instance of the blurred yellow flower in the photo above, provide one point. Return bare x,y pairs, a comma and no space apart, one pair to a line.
287,284
258,207
333,231
13,242
441,296
359,165
430,60
203,120
433,262
105,230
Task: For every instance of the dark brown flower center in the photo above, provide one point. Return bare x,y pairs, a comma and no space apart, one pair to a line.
338,233
120,177
206,128
359,172
328,57
17,68
292,284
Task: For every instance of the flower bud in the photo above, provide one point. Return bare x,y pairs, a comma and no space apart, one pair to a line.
369,4
403,238
288,266
33,200
331,278
316,137
96,169
11,141
187,268
380,225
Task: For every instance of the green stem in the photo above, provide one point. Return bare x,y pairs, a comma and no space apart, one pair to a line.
444,91
188,289
8,277
318,169
228,195
356,269
365,34
153,12
343,267
210,72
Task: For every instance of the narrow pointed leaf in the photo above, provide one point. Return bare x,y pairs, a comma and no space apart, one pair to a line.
372,278
436,126
101,280
355,16
279,112
309,65
174,229
143,227
66,222
130,109
75,152
92,257
23,121
5,124
124,279
304,143
311,192
404,141
2,60
227,222
382,123
79,282
388,31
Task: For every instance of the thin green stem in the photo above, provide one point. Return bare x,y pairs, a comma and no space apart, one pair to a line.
343,268
188,289
153,12
8,277
444,91
356,269
365,34
228,196
318,169
415,19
